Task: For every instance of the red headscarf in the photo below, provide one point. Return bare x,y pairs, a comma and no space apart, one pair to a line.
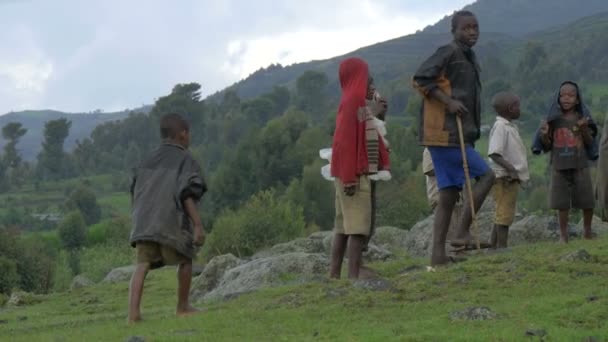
349,151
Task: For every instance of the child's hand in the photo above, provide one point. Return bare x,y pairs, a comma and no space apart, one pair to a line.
455,106
582,123
544,127
199,235
350,190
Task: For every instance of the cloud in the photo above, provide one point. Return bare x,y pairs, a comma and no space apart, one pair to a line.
80,56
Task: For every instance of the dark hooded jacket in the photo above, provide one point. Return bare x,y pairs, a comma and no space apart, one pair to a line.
555,112
160,185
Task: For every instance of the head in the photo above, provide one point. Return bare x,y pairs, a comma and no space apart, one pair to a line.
569,97
507,104
465,28
174,128
371,88
354,78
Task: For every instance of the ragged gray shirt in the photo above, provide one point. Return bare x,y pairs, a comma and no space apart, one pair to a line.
160,185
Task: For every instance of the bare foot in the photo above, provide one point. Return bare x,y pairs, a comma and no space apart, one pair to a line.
189,311
134,319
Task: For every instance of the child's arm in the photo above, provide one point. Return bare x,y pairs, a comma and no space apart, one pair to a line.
498,159
199,233
545,137
583,125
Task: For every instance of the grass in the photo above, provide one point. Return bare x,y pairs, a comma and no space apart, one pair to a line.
529,288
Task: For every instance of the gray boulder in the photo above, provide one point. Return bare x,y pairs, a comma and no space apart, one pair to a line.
80,281
598,227
22,298
301,245
390,238
292,268
533,229
374,252
119,274
212,274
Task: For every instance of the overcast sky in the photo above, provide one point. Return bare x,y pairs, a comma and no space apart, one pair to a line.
79,56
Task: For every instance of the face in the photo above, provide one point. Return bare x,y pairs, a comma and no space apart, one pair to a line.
568,98
515,109
467,30
371,89
183,138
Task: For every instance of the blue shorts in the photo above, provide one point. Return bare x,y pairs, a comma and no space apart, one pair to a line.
449,170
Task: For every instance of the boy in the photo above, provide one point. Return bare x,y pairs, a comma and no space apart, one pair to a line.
166,189
602,174
508,160
378,107
450,83
569,133
357,152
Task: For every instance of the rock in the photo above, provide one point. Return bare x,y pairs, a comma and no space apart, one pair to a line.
197,270
80,281
536,333
301,245
135,339
3,321
580,255
211,275
533,229
22,318
593,298
119,274
591,339
376,253
376,285
332,293
391,238
474,314
419,239
21,298
292,268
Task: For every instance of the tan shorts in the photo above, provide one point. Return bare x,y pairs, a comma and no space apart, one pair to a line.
505,196
354,213
158,255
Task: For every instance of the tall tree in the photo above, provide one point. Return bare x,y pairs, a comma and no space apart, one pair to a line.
52,157
12,132
311,90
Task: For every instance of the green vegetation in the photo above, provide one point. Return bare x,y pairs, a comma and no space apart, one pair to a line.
528,288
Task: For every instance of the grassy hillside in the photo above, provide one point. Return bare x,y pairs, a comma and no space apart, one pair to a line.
528,288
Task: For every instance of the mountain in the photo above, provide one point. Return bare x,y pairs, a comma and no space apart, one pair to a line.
501,21
34,120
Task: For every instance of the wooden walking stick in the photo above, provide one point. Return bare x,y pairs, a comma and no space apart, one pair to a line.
467,177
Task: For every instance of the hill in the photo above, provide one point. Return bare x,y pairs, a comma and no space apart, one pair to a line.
528,291
34,120
394,60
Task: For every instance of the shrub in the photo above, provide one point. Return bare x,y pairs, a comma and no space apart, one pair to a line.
84,200
262,222
8,275
72,231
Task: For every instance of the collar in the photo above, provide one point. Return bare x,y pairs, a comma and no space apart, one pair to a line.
172,144
503,120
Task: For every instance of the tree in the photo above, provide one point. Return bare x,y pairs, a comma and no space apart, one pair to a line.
72,231
84,200
8,275
52,157
311,89
12,132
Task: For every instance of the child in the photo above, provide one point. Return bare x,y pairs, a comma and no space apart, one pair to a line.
602,174
569,133
357,152
508,160
450,83
167,228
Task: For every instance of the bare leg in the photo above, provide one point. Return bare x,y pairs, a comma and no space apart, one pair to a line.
502,236
587,219
355,248
493,237
184,279
563,225
443,215
136,289
337,255
480,192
